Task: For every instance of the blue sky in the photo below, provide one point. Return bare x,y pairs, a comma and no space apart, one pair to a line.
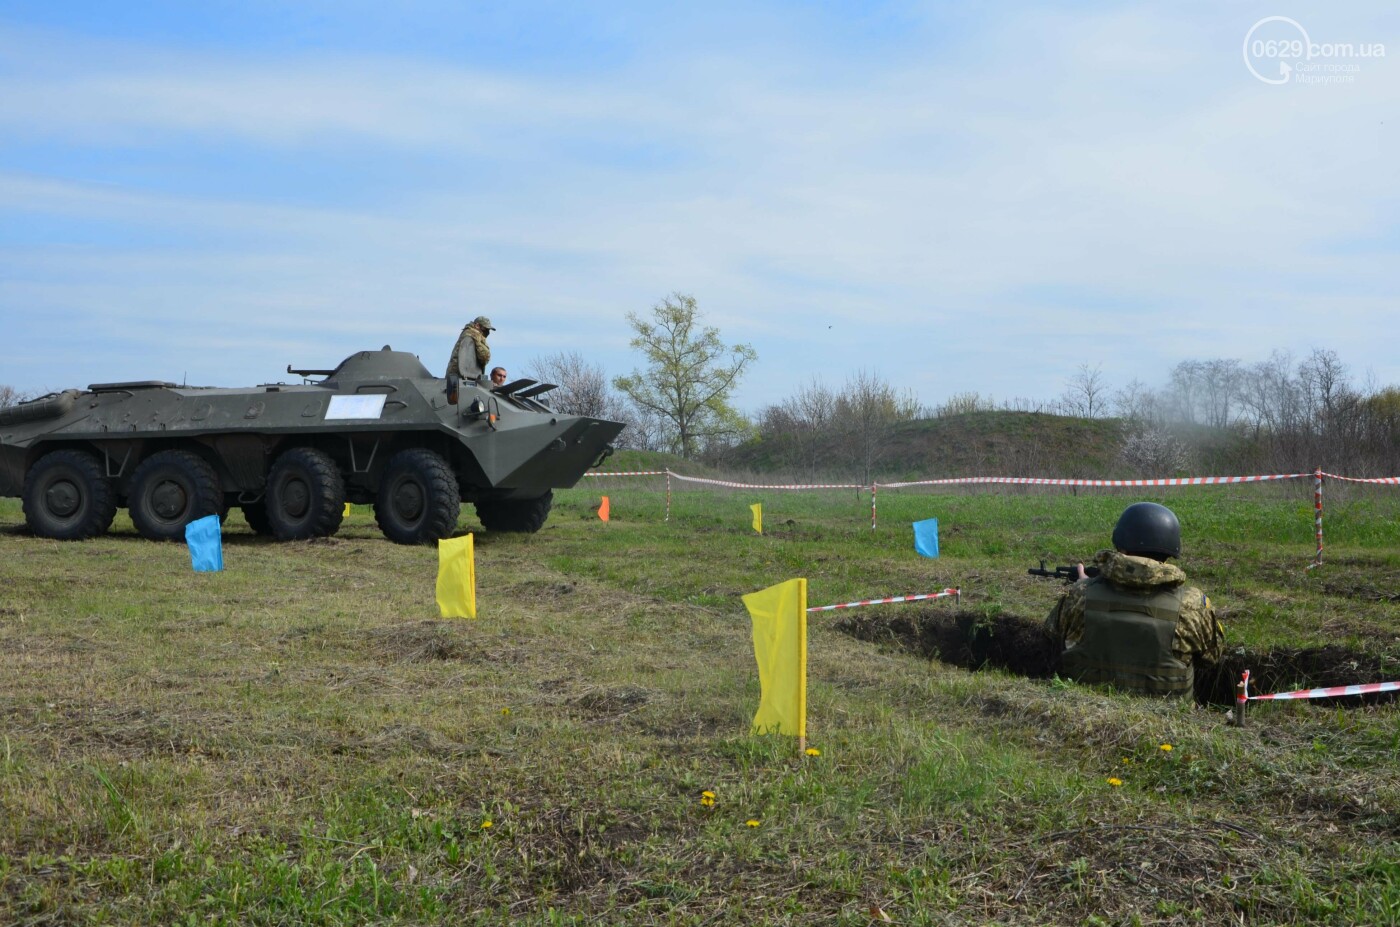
955,197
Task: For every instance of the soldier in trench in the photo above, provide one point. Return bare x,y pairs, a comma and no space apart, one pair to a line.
1137,625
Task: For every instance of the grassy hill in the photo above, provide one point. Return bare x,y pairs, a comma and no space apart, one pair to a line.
1006,444
971,444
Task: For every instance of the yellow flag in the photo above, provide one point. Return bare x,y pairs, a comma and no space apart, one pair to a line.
347,511
456,579
780,644
757,509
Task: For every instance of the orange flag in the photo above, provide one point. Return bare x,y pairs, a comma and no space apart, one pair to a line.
603,509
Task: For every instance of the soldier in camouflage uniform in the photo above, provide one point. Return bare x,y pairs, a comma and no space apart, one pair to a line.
471,354
1137,625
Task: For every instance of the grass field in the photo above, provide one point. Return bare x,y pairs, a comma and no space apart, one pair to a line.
300,740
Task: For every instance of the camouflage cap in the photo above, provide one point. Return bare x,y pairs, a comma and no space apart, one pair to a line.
483,323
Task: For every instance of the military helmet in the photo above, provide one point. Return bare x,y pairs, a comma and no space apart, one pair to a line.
483,323
1148,528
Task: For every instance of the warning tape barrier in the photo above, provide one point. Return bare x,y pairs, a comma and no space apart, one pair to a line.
1015,480
1383,480
1329,692
1039,481
696,479
898,598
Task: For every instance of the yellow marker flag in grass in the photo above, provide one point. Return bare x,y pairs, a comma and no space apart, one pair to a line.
780,644
604,509
347,511
757,509
456,581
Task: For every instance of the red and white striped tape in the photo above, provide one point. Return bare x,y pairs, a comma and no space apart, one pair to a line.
898,598
1039,481
1384,480
1016,480
1330,692
696,479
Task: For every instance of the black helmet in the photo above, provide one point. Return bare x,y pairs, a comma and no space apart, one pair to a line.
1148,528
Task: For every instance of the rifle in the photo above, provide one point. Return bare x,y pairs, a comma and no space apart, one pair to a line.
1067,573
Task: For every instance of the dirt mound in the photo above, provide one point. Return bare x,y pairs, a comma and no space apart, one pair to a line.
1021,646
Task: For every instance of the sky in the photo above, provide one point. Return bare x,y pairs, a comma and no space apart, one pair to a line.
955,197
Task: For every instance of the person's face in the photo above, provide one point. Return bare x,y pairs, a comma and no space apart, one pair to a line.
498,377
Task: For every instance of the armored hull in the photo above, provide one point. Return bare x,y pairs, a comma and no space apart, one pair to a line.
377,429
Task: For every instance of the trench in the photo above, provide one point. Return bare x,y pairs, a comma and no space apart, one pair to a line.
1018,645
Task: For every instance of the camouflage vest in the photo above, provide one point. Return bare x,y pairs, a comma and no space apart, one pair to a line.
1127,641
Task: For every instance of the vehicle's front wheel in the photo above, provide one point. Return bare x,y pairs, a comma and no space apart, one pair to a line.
169,490
67,496
305,495
419,500
526,515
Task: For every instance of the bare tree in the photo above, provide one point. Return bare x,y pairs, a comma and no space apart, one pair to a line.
9,396
1137,403
1087,393
1184,390
799,428
583,387
1220,382
867,410
1269,396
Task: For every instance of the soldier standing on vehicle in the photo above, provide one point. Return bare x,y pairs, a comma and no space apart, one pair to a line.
471,354
1137,625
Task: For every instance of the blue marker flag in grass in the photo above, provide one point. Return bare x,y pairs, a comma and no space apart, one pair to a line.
926,537
205,538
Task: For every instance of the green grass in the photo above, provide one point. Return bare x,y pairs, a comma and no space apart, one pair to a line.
300,740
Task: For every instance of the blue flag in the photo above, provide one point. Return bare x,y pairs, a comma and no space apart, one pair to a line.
926,537
205,538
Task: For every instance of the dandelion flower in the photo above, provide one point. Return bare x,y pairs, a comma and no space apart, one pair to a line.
707,794
1114,781
1165,748
486,824
813,751
505,711
752,822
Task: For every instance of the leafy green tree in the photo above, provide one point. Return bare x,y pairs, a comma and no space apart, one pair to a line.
689,377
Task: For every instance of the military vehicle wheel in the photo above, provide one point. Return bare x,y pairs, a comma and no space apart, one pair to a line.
526,515
67,496
418,500
305,495
255,514
169,490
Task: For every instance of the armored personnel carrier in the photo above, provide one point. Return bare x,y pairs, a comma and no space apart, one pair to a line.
377,429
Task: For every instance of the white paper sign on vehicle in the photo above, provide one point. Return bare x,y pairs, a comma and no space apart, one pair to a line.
345,407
